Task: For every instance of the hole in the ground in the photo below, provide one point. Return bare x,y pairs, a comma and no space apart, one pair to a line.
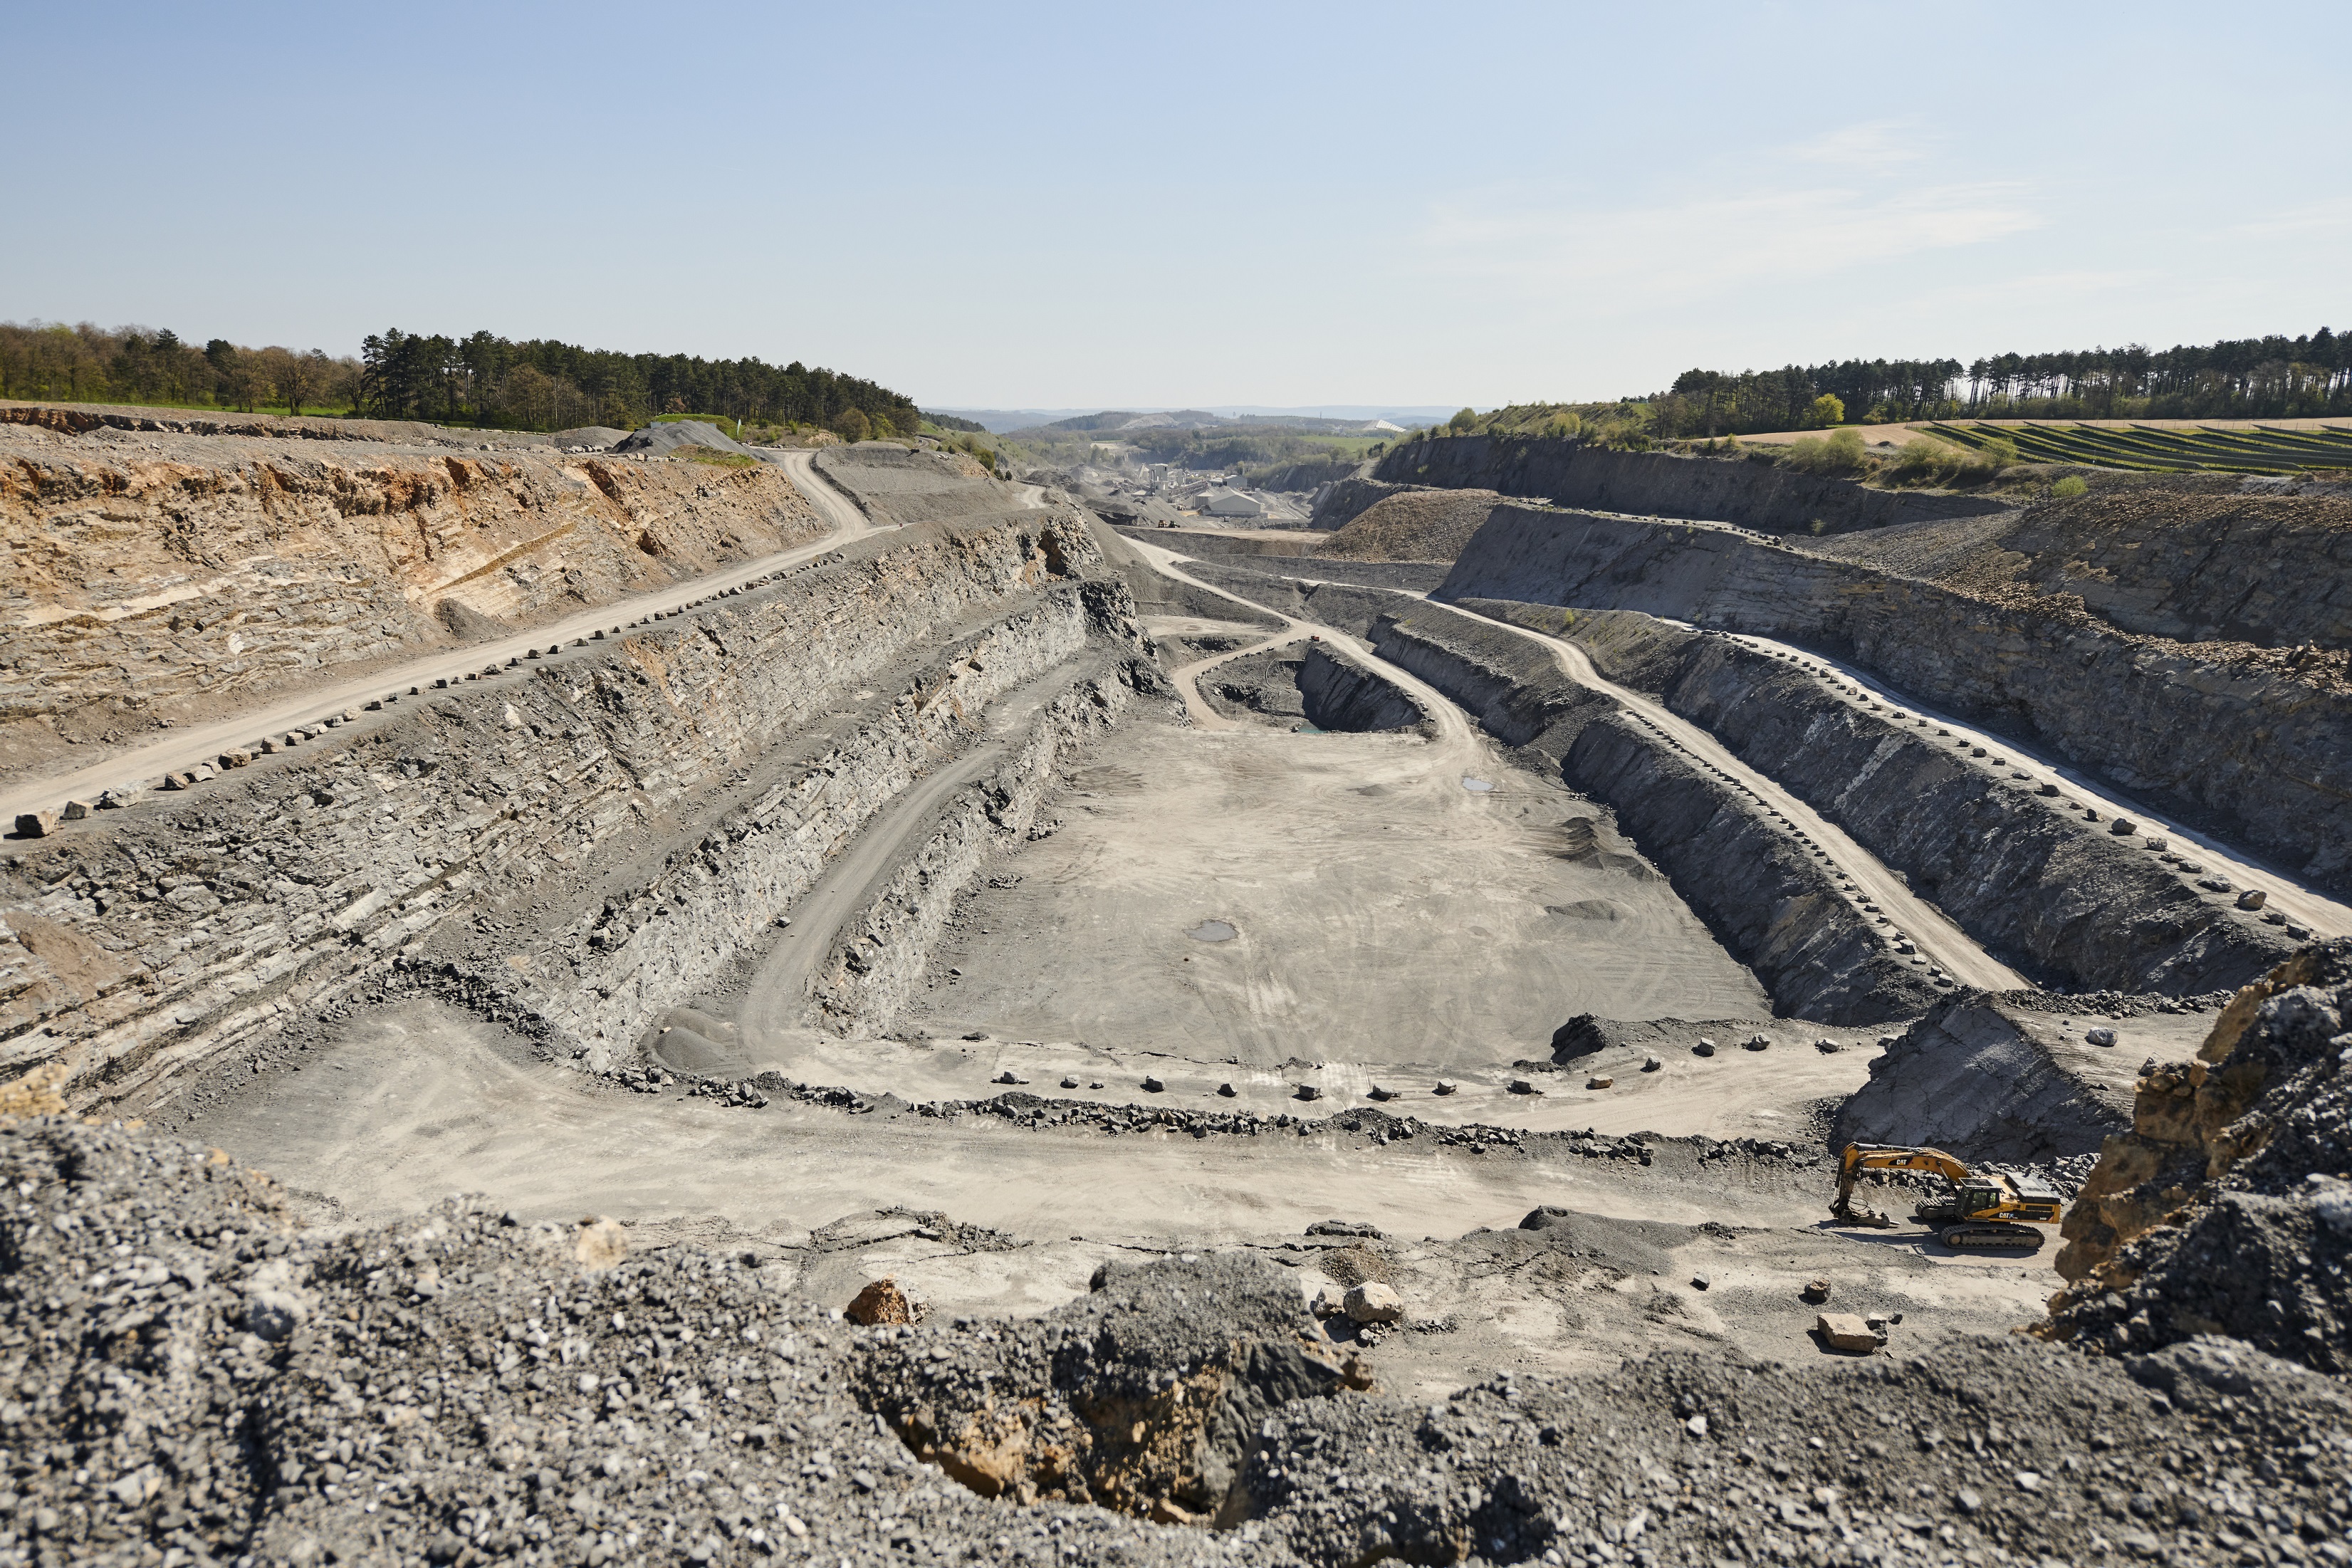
1213,931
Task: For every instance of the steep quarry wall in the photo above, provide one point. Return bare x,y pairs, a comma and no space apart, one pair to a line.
1983,1080
564,848
1343,694
2272,570
2225,734
173,575
2054,894
1754,883
875,968
1746,492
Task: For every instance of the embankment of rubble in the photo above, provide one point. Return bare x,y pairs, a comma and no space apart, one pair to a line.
2223,733
1749,491
568,847
181,1360
1980,1080
2227,1210
154,578
2067,899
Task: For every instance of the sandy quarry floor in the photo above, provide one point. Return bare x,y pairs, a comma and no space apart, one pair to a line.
416,1102
1381,911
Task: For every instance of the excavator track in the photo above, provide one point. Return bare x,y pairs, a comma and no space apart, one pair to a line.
1994,1234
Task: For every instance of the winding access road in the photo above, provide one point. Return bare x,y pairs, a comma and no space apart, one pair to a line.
2288,894
1939,939
181,749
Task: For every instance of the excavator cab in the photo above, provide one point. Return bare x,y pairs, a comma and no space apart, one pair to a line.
1980,1209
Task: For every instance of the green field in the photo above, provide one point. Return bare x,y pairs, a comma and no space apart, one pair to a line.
2155,449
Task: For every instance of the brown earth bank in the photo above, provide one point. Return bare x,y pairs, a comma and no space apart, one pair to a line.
154,577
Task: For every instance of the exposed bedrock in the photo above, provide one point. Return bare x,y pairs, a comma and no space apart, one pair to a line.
1751,491
1343,694
886,953
1985,1081
2270,570
1748,876
2067,899
2226,1208
168,575
2224,733
573,849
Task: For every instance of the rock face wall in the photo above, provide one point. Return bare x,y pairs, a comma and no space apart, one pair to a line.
1977,1078
2225,734
1342,694
755,734
2061,898
1751,493
156,576
2276,571
1754,884
874,969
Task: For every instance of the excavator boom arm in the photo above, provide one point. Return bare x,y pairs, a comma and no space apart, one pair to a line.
1861,1157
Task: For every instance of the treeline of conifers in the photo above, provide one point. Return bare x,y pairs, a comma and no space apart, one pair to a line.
483,380
2243,378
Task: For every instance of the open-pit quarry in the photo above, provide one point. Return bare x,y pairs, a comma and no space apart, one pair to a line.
590,1008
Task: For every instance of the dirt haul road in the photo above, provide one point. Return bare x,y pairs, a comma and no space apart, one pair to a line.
181,750
1936,938
2288,894
777,1000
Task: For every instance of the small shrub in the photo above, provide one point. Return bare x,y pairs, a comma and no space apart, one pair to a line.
1838,452
715,457
1926,460
1825,411
2070,487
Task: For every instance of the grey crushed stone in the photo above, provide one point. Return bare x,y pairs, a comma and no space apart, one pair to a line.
183,1370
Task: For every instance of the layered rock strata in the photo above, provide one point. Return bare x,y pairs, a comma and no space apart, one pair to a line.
1341,693
1983,1080
569,848
2227,1209
878,963
147,578
2067,899
2227,734
1751,492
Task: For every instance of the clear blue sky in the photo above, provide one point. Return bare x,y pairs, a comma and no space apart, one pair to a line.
1204,204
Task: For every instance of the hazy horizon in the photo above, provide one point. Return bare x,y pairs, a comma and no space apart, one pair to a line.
1053,208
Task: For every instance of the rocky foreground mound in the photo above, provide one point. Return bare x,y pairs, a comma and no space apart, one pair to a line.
185,1377
2227,1207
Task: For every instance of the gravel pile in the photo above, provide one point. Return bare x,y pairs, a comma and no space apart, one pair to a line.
185,1377
2263,1254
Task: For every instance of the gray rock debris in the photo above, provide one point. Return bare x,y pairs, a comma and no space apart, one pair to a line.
457,1387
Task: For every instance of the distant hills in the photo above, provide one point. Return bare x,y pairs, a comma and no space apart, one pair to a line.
1079,421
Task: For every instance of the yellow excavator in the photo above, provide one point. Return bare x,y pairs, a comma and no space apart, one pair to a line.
1981,1210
